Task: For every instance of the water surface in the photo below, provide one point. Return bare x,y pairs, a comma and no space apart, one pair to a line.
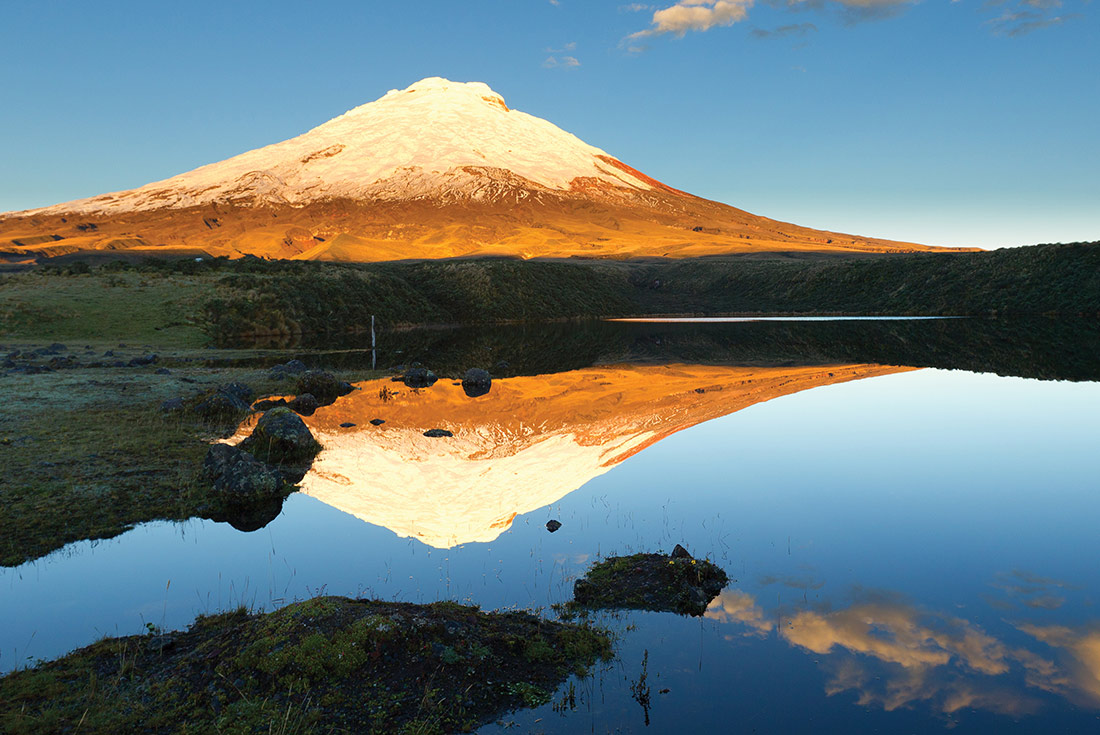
913,544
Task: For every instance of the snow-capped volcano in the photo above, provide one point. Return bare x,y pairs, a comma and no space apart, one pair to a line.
414,143
438,169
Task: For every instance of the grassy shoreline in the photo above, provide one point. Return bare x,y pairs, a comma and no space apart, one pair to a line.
327,664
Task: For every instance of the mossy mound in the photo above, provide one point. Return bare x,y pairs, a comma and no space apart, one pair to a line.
656,582
330,664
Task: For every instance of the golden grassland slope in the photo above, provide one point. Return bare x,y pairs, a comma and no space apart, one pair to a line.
561,225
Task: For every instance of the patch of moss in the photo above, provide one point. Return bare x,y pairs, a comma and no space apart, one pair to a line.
329,664
656,582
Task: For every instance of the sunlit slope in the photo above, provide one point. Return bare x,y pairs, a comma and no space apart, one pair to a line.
440,169
526,444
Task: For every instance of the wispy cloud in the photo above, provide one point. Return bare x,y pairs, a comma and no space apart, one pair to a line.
791,30
1022,22
561,62
1018,17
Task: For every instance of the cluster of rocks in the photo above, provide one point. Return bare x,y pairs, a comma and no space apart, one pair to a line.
32,361
476,382
251,479
313,389
228,402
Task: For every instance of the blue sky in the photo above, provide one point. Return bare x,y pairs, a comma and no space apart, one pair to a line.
968,122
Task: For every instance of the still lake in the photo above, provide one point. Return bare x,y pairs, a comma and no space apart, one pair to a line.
910,512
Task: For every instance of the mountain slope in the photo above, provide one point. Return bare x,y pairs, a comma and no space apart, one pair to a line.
440,169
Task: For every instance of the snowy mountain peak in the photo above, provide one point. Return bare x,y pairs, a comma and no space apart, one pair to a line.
436,85
437,139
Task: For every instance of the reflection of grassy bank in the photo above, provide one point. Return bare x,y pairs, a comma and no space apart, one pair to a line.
176,301
87,452
329,664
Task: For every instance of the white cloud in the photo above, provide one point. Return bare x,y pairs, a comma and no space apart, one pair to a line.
696,15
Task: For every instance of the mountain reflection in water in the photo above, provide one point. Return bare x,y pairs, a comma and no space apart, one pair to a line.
526,444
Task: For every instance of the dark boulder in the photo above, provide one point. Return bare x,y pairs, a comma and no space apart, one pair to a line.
304,404
680,553
419,377
437,433
347,425
553,525
476,382
287,369
238,390
281,437
239,477
268,404
377,422
162,371
323,386
143,361
218,405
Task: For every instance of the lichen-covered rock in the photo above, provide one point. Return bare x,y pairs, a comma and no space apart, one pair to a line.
323,386
239,477
476,382
281,437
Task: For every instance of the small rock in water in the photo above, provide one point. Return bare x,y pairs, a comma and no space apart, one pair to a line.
553,525
437,432
378,422
680,553
476,382
418,377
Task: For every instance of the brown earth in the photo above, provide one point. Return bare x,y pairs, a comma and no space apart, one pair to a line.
592,220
